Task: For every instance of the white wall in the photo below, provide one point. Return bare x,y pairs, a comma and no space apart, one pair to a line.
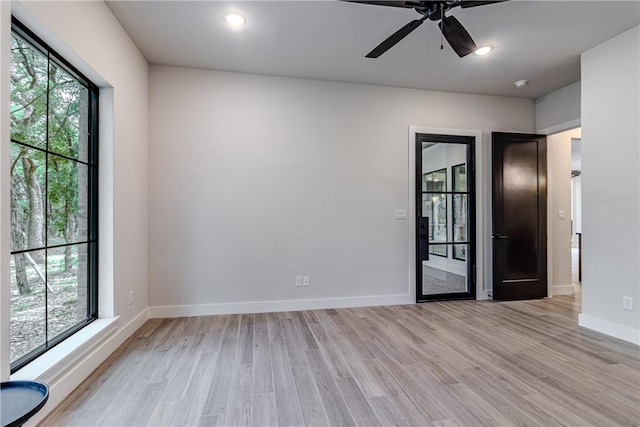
559,199
559,110
255,180
611,185
89,36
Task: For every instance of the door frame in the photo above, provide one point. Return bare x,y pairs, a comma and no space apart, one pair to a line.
469,143
482,146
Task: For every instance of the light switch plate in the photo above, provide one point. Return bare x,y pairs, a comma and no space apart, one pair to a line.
305,281
298,281
627,303
562,214
401,214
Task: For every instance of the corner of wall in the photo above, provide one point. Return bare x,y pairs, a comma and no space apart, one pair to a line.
559,110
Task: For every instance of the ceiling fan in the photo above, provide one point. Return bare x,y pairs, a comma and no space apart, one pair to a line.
451,28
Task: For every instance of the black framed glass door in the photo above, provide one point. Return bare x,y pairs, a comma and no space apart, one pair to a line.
445,217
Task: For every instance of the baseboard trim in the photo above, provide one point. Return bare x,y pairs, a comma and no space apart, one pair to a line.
563,290
171,311
66,382
484,295
609,328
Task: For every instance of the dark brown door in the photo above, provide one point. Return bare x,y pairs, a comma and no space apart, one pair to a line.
519,216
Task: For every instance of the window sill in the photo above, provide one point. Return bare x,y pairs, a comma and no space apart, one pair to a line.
55,362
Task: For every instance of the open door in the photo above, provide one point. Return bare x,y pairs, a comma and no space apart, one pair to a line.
519,216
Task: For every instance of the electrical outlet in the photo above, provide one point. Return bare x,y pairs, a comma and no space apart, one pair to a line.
627,303
130,297
305,281
298,281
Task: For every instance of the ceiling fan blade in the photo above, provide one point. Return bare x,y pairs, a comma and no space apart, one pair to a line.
457,36
394,38
465,4
405,4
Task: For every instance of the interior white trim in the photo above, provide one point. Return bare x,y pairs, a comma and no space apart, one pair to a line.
484,294
55,362
609,328
171,311
77,368
481,292
563,290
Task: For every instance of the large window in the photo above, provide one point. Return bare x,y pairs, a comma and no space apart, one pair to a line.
54,161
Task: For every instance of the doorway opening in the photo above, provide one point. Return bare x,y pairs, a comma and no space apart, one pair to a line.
445,217
564,212
576,213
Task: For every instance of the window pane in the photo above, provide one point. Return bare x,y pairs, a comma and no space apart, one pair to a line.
68,115
460,252
67,299
68,201
434,206
28,93
459,178
28,329
438,250
437,281
435,181
459,207
27,197
427,210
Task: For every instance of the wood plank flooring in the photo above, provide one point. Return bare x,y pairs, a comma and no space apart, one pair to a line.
458,363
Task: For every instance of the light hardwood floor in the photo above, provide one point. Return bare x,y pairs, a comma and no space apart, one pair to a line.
469,363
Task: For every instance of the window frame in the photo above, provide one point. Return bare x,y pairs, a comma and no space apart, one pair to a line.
92,164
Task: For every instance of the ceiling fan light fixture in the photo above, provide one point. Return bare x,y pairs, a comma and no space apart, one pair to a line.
483,50
235,19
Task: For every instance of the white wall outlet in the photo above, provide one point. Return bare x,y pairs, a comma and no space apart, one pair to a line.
130,297
401,214
298,281
305,281
627,303
562,214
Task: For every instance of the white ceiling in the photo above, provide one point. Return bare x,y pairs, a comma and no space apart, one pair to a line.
539,41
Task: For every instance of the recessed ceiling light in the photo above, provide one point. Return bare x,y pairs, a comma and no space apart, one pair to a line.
235,19
521,83
483,50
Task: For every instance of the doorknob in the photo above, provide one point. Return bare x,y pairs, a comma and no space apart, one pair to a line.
499,236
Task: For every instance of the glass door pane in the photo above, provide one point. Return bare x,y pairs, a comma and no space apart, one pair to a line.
444,261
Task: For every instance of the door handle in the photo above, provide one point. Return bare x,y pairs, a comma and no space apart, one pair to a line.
499,237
